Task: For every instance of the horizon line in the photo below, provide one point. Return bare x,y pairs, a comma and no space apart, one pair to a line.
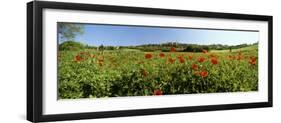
159,44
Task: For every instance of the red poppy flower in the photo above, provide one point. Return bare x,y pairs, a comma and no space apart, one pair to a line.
78,58
253,61
205,51
203,73
161,55
194,66
85,55
173,49
157,92
148,56
182,60
214,61
201,59
190,57
171,60
239,57
101,62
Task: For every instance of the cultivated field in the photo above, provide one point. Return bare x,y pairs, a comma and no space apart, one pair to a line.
90,73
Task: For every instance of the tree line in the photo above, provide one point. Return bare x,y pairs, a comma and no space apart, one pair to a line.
165,47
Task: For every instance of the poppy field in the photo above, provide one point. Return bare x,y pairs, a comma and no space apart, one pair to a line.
93,73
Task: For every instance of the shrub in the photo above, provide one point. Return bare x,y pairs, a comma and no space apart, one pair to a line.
195,48
71,45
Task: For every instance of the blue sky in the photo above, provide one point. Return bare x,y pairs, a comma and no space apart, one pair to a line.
116,35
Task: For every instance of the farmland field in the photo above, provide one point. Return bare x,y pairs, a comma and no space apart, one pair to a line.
93,73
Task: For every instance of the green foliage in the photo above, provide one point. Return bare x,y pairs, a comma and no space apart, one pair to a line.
196,48
115,73
68,31
180,47
101,47
71,45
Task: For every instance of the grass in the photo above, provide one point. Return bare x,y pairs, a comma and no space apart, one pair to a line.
248,48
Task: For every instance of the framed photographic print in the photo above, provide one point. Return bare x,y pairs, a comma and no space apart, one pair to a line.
95,61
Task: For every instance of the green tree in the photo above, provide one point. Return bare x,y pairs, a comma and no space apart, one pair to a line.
101,47
68,31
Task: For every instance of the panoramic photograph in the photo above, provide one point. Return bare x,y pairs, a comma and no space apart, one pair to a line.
105,61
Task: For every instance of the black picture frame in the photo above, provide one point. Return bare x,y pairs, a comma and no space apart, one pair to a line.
35,69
